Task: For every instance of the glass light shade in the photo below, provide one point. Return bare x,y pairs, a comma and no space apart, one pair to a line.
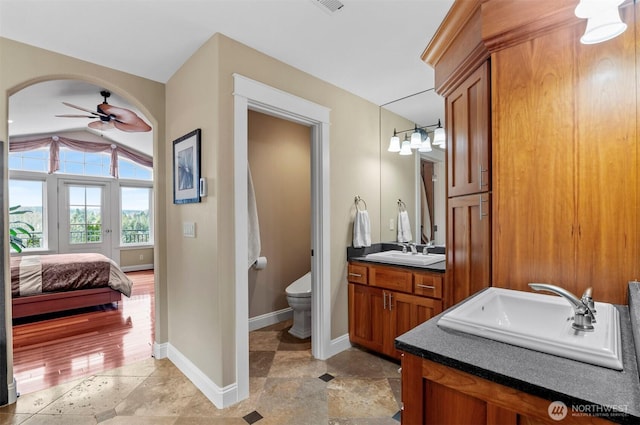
394,144
426,145
406,148
439,138
416,139
590,8
603,26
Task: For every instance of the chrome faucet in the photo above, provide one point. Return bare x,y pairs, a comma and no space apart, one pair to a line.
583,317
414,249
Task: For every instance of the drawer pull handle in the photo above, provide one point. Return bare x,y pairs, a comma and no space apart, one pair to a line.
355,274
425,286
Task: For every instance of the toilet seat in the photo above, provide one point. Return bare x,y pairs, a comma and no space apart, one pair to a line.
301,288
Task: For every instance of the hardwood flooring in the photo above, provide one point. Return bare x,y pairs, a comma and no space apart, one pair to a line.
56,348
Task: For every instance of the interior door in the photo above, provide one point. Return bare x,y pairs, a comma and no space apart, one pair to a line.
84,222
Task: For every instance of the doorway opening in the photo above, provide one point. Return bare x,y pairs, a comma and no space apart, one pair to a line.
253,95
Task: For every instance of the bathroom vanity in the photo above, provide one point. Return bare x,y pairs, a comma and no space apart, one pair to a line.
387,300
451,377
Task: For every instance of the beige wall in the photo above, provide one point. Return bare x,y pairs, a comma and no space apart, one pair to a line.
136,257
22,65
279,154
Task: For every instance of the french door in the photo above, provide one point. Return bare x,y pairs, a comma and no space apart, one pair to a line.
84,221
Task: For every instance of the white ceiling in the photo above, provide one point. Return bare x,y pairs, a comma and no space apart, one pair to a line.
371,48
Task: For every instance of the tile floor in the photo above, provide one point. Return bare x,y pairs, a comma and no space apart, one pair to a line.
287,386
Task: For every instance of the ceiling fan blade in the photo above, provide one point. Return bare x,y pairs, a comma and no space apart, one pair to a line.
125,119
97,114
102,125
76,116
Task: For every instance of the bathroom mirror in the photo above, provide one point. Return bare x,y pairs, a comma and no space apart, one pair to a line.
402,177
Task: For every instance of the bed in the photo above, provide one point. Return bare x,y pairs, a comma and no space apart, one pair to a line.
51,283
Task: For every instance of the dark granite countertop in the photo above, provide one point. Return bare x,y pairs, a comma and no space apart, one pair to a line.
359,254
546,376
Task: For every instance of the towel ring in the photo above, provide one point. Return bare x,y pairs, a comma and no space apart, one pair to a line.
357,202
401,205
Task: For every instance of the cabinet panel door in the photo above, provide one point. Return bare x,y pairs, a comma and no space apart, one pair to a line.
448,406
407,312
469,235
366,316
468,135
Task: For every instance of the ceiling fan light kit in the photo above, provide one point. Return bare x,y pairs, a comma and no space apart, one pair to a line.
110,117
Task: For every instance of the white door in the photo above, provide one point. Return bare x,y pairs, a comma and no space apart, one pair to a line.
84,222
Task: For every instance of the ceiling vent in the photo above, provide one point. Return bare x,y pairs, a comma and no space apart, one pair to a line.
329,6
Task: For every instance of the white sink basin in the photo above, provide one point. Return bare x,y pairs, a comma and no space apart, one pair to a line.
405,258
539,322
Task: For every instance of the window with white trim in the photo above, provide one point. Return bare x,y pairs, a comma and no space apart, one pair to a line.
136,218
30,196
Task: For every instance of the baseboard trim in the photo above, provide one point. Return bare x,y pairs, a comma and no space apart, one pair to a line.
160,351
338,345
137,268
269,319
220,397
12,392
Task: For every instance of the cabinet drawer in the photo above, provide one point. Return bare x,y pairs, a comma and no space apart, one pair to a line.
427,284
389,278
357,273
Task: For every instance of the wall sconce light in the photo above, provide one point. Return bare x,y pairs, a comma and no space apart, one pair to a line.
419,140
603,20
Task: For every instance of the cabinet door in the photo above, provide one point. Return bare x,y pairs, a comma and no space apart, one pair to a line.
468,135
469,236
405,313
366,316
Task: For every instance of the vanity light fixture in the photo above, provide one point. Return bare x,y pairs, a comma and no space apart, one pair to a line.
406,146
394,143
419,140
603,20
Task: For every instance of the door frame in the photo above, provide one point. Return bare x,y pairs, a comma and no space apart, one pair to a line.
249,94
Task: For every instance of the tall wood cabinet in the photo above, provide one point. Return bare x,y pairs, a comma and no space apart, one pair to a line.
468,186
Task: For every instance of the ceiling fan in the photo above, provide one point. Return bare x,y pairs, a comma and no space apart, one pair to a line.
110,117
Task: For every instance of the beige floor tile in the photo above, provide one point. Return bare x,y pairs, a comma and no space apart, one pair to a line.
140,420
61,420
13,418
293,401
200,406
94,395
264,341
211,421
35,402
360,398
142,368
357,363
158,396
296,364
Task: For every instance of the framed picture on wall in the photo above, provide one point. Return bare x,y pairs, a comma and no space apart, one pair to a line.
186,168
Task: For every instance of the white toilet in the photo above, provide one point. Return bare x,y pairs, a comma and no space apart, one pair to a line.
299,299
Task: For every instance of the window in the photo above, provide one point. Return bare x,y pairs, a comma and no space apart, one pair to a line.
130,170
35,160
135,217
29,194
85,214
84,163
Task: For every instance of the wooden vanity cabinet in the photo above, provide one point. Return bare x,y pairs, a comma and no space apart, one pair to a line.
434,394
389,303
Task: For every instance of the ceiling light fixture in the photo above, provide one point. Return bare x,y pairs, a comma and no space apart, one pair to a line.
420,139
603,20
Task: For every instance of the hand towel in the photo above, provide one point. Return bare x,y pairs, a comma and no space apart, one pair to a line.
404,227
361,229
253,225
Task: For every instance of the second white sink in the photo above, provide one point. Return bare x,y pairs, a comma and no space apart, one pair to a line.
539,322
405,258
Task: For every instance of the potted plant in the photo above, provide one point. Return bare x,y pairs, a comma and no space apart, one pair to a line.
18,227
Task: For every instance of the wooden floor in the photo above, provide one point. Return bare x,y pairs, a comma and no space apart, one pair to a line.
61,347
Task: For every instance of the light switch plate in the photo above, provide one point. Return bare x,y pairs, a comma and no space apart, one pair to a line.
189,229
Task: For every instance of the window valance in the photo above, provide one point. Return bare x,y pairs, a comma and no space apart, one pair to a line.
55,143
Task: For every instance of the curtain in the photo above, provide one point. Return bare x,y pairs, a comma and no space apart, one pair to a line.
55,143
